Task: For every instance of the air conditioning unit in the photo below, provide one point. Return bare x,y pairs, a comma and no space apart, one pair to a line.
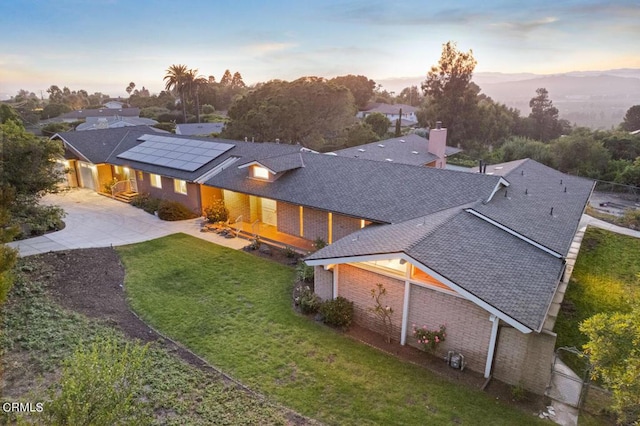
455,360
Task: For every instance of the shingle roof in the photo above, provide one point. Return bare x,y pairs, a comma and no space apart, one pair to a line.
525,206
191,129
377,191
500,269
409,149
282,163
102,112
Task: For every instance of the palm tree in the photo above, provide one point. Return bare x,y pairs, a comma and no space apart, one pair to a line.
194,82
177,79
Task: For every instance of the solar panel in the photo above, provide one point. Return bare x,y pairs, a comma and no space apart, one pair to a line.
181,154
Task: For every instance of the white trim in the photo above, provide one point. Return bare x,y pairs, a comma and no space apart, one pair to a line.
514,233
492,345
503,182
217,169
335,281
256,163
464,293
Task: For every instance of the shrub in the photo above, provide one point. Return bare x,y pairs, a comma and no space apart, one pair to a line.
631,218
308,301
36,220
337,312
101,385
173,210
208,109
319,243
146,202
289,252
216,212
304,272
430,339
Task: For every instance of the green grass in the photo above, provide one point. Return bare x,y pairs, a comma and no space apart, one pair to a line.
37,335
235,310
606,278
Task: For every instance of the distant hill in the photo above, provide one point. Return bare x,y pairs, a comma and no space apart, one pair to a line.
595,99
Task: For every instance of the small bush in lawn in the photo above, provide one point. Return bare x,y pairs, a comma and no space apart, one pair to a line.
308,301
337,312
216,211
289,252
631,219
146,202
304,272
101,385
173,210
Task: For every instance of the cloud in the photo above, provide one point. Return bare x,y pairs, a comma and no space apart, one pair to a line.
523,28
269,47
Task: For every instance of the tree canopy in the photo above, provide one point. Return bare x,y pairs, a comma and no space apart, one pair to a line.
451,97
310,110
360,87
631,121
544,115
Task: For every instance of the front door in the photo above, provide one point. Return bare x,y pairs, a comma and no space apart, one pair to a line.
269,212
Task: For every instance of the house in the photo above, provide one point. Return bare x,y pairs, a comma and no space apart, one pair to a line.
409,149
484,254
114,105
392,112
93,123
199,129
84,114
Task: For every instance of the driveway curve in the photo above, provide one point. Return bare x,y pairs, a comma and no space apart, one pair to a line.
94,220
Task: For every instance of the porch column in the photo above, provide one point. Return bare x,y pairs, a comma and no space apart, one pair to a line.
335,281
492,345
405,305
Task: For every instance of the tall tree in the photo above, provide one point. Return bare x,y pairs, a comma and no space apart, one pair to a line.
631,121
236,81
410,96
177,79
226,79
379,123
309,110
130,88
451,95
544,116
360,87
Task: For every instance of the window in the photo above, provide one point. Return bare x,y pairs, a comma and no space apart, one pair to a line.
260,172
156,180
180,186
395,266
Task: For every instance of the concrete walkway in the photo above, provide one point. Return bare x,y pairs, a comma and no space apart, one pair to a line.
94,220
592,221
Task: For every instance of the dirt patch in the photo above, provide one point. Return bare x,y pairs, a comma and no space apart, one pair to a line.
91,282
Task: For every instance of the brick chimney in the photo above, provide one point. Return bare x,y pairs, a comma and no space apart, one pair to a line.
438,144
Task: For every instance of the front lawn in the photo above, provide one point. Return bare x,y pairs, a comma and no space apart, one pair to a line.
235,310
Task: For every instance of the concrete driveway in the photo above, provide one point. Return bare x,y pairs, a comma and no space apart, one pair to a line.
97,221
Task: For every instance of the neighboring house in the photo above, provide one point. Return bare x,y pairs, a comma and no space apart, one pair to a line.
94,123
392,112
84,114
199,129
482,253
409,149
114,105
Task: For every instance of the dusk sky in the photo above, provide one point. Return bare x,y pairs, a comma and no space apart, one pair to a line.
102,45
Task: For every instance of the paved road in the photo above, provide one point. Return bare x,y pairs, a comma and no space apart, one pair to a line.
97,221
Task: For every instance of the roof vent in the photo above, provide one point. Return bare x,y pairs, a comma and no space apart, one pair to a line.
415,152
361,150
381,145
388,159
402,140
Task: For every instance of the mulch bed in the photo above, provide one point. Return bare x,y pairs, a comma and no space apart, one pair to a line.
90,281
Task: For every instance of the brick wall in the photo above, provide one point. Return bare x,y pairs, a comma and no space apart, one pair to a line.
356,284
288,218
467,326
323,283
237,204
343,226
315,224
167,192
524,359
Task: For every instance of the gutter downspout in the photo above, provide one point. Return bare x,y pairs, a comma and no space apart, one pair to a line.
492,345
405,306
